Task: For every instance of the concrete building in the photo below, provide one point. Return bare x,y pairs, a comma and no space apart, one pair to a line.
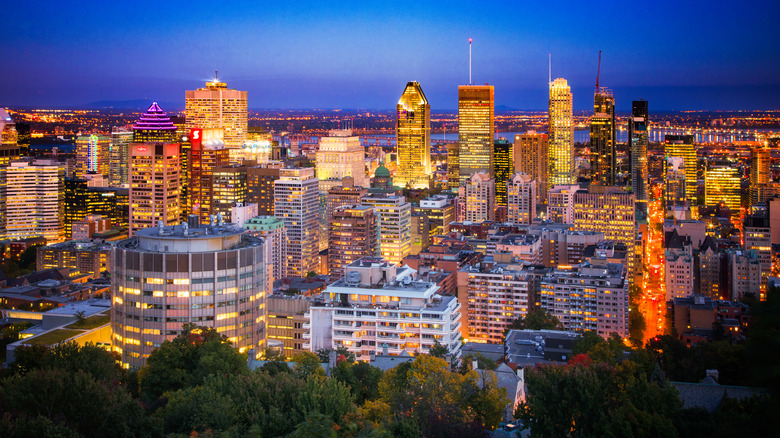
341,155
523,247
380,307
242,212
352,235
92,155
31,195
394,221
274,233
217,106
260,186
521,199
285,321
229,188
295,202
678,266
530,158
85,258
119,157
477,198
214,276
560,204
744,272
757,235
345,194
91,224
154,185
440,212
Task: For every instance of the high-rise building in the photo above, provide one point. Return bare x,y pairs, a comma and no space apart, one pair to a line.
207,152
678,266
345,194
530,158
9,139
722,183
260,186
453,166
154,126
560,150
413,137
31,200
394,221
521,199
757,235
683,146
352,234
760,174
154,185
164,278
229,189
608,210
675,182
92,155
602,138
119,155
341,155
275,234
440,212
503,169
388,309
476,130
217,106
560,204
295,202
637,149
478,197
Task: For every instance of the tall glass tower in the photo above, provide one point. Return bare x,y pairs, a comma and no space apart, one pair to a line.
413,134
476,130
217,106
560,151
602,138
637,147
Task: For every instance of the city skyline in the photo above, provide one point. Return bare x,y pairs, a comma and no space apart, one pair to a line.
305,55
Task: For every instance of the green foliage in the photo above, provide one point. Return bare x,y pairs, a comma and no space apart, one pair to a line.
611,350
69,357
536,319
483,363
636,326
308,365
689,364
361,377
438,350
755,416
275,367
187,360
23,426
762,351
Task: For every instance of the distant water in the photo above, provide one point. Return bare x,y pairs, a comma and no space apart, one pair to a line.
580,136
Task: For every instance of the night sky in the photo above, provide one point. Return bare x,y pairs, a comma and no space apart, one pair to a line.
678,54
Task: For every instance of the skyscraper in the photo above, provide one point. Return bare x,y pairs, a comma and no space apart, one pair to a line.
602,138
637,148
394,221
229,189
119,155
722,182
682,146
478,196
260,186
295,202
521,199
154,126
675,182
9,146
31,200
760,174
530,158
476,130
502,168
413,136
154,185
560,152
453,166
217,106
92,155
207,152
341,155
352,234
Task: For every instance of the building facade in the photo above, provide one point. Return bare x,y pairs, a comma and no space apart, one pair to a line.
154,185
217,106
478,197
521,199
32,195
476,130
637,148
394,223
352,235
530,157
560,150
274,233
341,155
602,138
296,195
413,138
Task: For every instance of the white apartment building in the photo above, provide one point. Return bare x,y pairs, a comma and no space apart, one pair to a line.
477,196
560,204
521,199
296,195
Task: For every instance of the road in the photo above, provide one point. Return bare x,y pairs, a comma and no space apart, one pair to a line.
653,301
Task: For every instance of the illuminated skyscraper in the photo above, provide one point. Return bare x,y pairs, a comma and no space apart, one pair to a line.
760,175
260,186
560,152
394,221
602,138
637,148
722,182
343,195
154,126
341,155
502,168
675,182
521,199
478,197
453,166
682,146
207,152
413,135
92,155
217,106
476,130
229,189
119,157
31,200
352,234
530,158
295,202
154,185
9,146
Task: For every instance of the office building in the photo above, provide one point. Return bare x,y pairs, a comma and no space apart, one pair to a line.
530,158
31,200
413,137
712,269
84,258
760,175
476,131
352,235
286,321
155,126
164,278
389,311
722,183
560,204
9,139
394,221
494,296
637,148
560,149
439,211
229,190
675,182
296,204
207,152
274,233
217,106
757,235
503,169
345,194
521,199
608,210
92,155
90,225
453,166
477,198
562,246
744,274
678,266
341,155
602,138
260,186
683,146
119,157
154,185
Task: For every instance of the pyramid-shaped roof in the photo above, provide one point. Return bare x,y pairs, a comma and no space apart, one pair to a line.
154,119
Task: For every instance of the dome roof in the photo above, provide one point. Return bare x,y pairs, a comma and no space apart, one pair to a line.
382,172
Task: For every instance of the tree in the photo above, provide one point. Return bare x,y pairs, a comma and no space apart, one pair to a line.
438,350
536,319
307,365
611,350
361,377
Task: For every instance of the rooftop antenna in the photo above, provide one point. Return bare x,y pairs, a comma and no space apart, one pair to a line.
469,61
549,69
216,75
598,72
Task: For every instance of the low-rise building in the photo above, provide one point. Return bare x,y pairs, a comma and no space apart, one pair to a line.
285,322
84,258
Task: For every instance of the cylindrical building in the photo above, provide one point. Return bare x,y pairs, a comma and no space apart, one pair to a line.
162,278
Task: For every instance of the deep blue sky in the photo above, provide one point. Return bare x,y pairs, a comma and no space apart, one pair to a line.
677,54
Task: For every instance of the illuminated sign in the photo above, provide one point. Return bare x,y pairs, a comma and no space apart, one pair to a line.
141,149
196,138
94,153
